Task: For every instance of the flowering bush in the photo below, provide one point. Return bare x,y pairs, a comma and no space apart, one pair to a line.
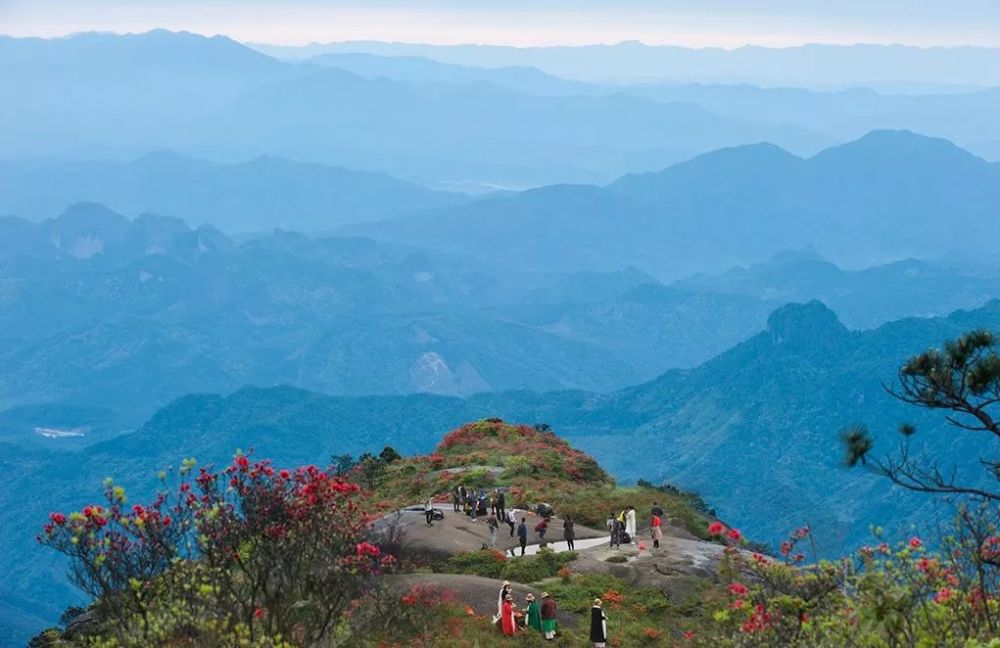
250,549
884,595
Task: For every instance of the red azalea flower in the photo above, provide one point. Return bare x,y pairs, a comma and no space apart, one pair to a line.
943,595
716,528
260,613
734,535
58,518
367,549
915,542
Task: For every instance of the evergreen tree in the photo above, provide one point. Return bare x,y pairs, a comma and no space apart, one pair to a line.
962,380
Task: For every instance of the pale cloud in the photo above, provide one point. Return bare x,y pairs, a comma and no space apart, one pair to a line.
719,23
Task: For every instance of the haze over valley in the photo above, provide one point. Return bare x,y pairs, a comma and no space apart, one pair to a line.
697,264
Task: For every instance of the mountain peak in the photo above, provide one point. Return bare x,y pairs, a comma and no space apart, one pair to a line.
898,144
800,327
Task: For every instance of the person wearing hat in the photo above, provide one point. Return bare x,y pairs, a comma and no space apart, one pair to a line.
507,616
534,613
598,625
504,593
548,616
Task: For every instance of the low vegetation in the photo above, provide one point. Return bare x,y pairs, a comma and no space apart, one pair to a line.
495,564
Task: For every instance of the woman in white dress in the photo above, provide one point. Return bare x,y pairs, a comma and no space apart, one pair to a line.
630,523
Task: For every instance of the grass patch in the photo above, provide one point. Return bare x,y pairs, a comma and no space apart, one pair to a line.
495,564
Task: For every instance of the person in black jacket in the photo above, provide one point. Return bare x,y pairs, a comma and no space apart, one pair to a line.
598,625
522,534
569,533
501,504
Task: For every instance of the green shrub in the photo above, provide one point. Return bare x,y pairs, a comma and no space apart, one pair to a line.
579,594
531,569
489,563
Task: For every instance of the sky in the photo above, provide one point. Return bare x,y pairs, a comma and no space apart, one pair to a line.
694,23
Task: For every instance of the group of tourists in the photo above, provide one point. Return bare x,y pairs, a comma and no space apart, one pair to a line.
622,526
541,617
478,503
537,616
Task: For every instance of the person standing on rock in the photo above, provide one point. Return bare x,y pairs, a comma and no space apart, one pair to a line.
507,616
630,523
614,526
533,613
598,625
522,534
548,616
493,526
501,504
456,499
511,522
569,533
429,510
655,530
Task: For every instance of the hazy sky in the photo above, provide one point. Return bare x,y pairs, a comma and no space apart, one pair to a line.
726,23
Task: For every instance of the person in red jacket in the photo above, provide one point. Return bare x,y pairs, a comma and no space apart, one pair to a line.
541,528
655,530
507,616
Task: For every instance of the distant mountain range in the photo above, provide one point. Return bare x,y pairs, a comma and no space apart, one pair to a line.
964,116
101,310
221,100
253,196
554,288
578,138
886,196
414,113
811,65
754,431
